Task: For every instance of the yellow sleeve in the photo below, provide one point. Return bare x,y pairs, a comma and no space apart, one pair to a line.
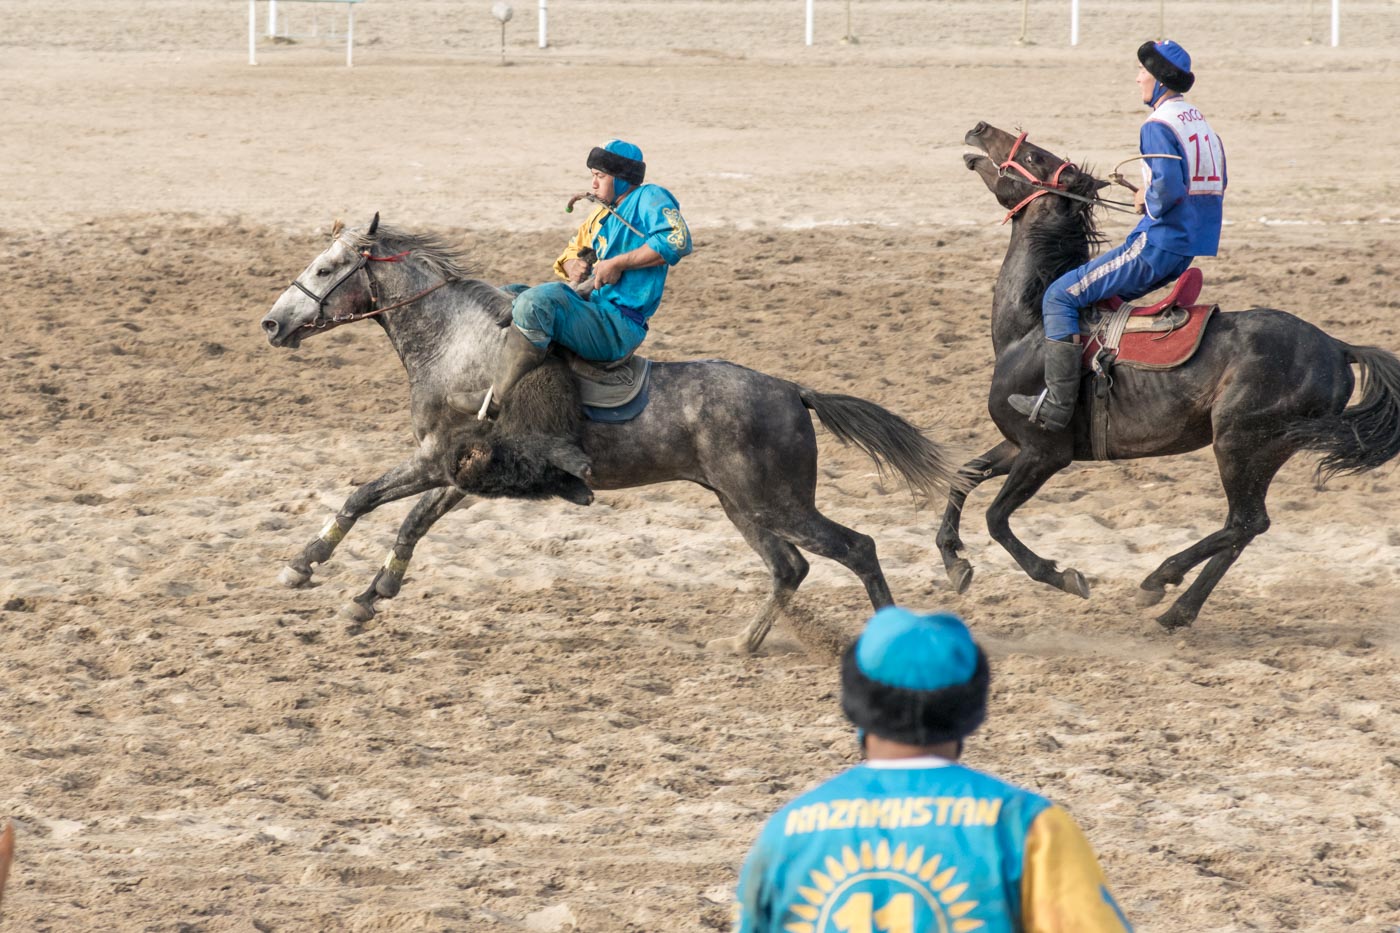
583,238
1063,890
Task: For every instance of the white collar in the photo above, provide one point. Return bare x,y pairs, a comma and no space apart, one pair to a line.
898,764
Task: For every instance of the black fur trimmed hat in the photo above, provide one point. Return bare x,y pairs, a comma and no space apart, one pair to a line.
1168,63
619,159
918,680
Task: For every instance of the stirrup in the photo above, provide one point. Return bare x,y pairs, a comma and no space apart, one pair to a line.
1034,417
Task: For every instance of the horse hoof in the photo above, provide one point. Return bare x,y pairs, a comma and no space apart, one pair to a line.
738,645
960,575
357,612
1175,618
293,578
1073,583
1149,597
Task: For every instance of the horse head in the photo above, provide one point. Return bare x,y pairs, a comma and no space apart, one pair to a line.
1018,172
333,289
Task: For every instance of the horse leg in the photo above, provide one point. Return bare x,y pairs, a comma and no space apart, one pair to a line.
1246,470
1029,471
407,479
813,531
431,507
995,462
1174,569
788,567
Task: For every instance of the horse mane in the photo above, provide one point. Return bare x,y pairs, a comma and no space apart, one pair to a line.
431,250
440,256
1064,237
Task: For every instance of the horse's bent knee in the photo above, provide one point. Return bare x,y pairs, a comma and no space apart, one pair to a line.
1253,527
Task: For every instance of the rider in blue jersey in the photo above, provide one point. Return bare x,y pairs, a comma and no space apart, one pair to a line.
636,234
911,840
1181,201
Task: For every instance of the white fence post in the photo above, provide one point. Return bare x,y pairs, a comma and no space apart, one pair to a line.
1073,22
350,36
252,32
272,17
544,24
810,16
1336,23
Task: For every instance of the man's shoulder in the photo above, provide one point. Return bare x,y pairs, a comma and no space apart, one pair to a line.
953,778
989,784
837,785
654,196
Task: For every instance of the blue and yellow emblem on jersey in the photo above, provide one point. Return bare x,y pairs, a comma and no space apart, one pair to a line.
874,889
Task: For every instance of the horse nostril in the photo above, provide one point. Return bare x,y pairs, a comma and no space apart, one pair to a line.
269,326
979,129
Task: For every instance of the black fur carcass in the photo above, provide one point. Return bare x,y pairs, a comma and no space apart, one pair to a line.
531,450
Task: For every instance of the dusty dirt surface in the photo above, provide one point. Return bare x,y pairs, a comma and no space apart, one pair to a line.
533,736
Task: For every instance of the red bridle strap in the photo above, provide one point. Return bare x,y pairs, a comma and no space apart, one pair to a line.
1043,187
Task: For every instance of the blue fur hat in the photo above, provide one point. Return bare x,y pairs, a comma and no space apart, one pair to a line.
621,160
1169,63
916,679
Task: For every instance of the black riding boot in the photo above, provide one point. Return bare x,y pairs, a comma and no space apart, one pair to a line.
1053,408
519,358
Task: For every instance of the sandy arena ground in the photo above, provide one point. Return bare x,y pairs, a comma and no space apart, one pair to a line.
532,736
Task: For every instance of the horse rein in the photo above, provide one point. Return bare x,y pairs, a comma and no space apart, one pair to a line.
364,258
1052,186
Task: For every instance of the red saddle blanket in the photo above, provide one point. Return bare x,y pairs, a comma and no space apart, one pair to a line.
1158,349
1170,344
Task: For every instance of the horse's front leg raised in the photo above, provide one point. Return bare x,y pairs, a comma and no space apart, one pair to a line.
409,478
995,462
433,506
1032,467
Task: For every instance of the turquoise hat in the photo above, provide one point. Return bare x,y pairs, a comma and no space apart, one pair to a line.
917,679
623,161
916,652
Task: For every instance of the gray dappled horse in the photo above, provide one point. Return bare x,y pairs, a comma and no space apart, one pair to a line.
1263,386
743,435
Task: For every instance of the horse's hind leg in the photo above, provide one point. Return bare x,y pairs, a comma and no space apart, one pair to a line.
1028,473
1246,479
407,479
788,567
995,462
813,531
433,506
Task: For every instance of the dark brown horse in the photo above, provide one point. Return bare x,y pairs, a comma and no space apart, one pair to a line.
1263,386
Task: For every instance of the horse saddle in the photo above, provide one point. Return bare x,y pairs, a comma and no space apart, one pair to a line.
1157,336
611,391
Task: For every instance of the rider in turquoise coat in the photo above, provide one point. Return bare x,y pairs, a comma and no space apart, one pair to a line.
636,235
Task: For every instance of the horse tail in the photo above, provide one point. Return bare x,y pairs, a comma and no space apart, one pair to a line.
1365,435
888,439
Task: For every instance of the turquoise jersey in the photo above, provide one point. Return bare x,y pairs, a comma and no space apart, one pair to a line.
655,212
922,846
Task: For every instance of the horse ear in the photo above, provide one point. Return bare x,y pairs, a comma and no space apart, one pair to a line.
373,224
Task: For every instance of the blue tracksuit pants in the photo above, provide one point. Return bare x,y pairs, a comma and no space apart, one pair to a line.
1128,271
555,313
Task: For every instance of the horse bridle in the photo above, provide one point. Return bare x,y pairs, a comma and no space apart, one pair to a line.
363,258
1051,186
